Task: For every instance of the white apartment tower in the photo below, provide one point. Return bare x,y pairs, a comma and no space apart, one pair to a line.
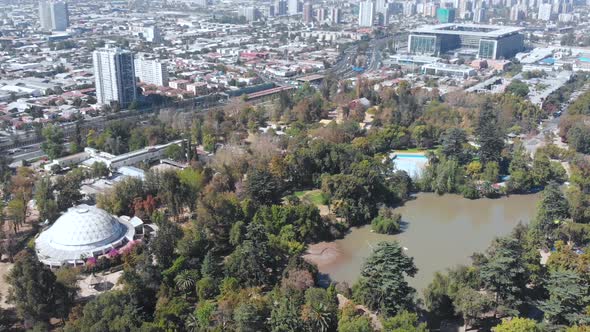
114,75
151,71
293,7
545,12
366,13
53,15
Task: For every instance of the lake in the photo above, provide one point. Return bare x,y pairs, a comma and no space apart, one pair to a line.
440,232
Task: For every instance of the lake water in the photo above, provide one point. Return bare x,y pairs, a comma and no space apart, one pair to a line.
441,232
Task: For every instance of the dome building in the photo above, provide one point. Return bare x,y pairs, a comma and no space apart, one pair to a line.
83,231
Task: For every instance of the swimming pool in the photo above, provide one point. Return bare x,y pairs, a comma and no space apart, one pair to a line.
413,164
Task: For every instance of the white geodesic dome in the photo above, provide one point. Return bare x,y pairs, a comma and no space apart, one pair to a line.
83,231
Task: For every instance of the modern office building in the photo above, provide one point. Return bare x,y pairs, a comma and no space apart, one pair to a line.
114,74
445,15
366,13
53,15
151,71
484,41
307,12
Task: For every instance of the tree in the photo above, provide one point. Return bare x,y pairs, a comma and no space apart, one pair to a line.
504,274
437,298
521,179
517,324
99,169
471,304
68,188
319,313
578,138
252,262
45,200
263,187
33,289
174,152
53,144
386,222
109,312
404,322
489,134
569,298
453,141
285,316
163,245
518,88
553,209
382,285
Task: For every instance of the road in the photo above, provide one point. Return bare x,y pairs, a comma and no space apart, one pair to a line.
551,126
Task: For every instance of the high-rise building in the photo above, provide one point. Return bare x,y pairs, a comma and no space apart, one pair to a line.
321,14
366,13
281,7
517,13
307,12
445,15
271,11
151,71
336,15
45,15
53,15
114,74
293,7
409,8
479,15
545,12
250,13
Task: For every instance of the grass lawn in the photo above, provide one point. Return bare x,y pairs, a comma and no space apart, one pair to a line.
413,150
312,196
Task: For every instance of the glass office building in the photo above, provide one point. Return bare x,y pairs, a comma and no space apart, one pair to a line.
488,41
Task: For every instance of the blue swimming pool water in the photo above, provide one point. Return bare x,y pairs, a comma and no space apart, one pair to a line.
413,164
416,156
584,59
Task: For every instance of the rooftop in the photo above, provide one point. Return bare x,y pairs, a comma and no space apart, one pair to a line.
480,30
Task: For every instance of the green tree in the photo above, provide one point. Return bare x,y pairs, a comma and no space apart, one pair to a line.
453,141
518,88
569,298
404,322
382,285
163,246
45,200
174,152
552,210
517,324
285,316
472,304
489,134
54,139
33,289
263,187
504,274
110,312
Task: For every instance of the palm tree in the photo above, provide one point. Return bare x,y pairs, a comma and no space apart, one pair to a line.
186,281
317,317
192,323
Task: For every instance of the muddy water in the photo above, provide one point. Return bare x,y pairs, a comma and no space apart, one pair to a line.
439,232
